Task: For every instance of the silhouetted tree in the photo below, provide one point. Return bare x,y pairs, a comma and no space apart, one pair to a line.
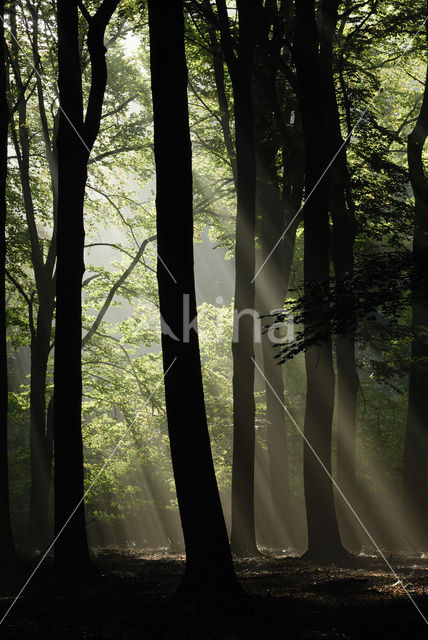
279,196
342,247
240,65
76,136
7,549
324,541
209,567
44,276
416,443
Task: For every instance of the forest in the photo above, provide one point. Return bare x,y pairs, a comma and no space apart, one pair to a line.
213,319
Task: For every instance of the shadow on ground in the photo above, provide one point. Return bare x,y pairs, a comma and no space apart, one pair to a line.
133,597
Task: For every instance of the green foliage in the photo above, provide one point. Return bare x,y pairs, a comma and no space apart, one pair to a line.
127,461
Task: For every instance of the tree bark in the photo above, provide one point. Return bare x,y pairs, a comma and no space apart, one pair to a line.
342,249
223,106
324,543
209,568
76,137
40,504
271,290
416,442
278,200
243,536
8,557
71,548
40,510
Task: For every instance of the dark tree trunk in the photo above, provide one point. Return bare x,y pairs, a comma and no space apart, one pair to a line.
41,462
223,105
342,248
209,567
71,548
40,438
416,443
243,536
278,200
271,288
324,543
76,137
7,549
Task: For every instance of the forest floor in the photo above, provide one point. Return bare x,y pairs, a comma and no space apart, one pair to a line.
133,597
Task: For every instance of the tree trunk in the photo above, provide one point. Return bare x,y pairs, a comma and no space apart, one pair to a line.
40,511
277,208
342,248
324,542
416,442
278,200
271,287
8,557
209,568
75,141
41,463
223,106
71,548
243,535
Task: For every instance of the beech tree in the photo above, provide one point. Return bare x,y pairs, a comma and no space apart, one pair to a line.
209,567
279,193
416,443
76,135
342,211
41,310
324,541
8,557
240,65
34,179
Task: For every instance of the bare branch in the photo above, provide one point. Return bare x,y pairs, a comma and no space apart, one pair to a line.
114,289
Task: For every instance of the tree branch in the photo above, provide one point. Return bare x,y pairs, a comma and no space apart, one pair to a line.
28,299
114,289
97,52
112,152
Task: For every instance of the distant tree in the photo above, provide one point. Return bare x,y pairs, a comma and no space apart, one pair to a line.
278,142
209,567
324,541
240,65
76,136
342,211
279,186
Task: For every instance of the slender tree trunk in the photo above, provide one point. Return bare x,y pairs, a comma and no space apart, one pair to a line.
8,557
39,495
209,567
71,548
324,542
342,248
271,283
76,137
223,105
40,508
271,287
243,536
40,434
416,443
41,462
277,212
